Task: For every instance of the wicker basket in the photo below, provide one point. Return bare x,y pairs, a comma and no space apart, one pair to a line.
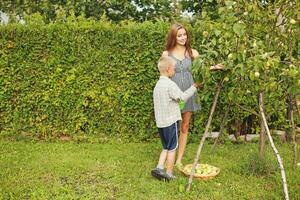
203,176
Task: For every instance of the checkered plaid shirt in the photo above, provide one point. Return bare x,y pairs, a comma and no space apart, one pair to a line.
166,96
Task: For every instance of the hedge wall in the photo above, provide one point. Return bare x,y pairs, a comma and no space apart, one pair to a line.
79,77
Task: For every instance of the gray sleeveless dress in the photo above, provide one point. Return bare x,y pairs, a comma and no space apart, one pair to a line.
184,79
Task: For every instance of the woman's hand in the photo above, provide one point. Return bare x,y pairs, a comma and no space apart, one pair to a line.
198,85
219,66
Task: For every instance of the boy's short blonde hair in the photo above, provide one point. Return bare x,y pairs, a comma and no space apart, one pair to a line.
164,62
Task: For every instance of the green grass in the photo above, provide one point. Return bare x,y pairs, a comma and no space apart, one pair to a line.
39,170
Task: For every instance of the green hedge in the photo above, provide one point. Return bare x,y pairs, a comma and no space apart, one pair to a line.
79,77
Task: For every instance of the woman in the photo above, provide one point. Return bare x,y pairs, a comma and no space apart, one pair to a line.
179,48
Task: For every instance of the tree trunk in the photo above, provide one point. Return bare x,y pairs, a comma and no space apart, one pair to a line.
197,158
262,134
200,6
222,127
262,138
289,111
294,139
297,107
283,176
237,131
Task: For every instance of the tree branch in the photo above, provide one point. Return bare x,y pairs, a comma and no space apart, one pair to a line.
250,111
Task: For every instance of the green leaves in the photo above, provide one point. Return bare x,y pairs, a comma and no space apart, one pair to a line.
239,28
259,56
84,76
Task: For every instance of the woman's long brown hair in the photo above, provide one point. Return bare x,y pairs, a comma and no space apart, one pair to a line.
171,39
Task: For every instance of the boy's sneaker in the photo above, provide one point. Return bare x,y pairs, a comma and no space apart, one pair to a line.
169,177
159,174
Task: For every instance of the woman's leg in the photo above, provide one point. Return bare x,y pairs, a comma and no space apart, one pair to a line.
184,128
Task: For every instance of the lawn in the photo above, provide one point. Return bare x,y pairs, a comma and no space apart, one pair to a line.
69,170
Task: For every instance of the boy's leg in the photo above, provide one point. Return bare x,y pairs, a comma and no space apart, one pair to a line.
162,159
159,172
169,139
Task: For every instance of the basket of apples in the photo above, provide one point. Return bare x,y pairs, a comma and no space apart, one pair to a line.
202,171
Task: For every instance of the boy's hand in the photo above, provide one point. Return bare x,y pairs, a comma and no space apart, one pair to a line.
181,104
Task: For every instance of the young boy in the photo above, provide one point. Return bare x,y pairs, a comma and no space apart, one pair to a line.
166,97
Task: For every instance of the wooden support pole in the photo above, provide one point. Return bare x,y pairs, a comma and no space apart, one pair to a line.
212,110
283,176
